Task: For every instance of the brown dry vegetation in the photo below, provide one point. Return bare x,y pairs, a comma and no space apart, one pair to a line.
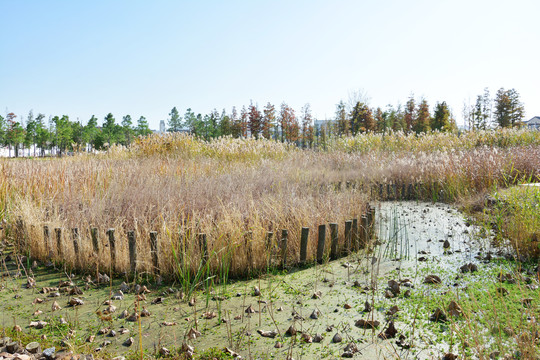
181,186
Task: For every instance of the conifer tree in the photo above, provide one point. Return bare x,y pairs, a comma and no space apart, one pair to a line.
342,121
269,121
423,118
175,121
441,118
254,120
409,114
307,126
142,128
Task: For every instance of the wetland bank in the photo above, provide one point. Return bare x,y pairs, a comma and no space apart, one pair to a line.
446,285
322,303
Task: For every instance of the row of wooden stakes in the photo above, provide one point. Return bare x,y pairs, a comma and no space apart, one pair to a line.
357,235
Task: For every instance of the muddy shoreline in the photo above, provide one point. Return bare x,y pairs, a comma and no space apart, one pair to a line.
416,239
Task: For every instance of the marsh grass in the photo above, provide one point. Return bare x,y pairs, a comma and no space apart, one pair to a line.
491,322
516,217
181,186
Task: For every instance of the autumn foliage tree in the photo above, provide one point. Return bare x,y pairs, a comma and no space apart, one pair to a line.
423,118
288,123
409,114
361,118
254,120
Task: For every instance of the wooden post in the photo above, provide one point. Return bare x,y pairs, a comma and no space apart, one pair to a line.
348,237
354,235
47,241
112,246
18,233
21,235
303,245
58,233
248,240
363,231
154,250
284,240
371,218
95,240
75,238
203,245
132,245
269,236
269,248
320,243
334,241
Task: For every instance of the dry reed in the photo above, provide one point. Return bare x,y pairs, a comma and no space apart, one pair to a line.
180,186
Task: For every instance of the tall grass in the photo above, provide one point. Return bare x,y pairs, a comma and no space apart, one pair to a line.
516,216
181,186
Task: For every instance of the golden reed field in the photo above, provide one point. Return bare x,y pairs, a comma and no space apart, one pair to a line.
236,191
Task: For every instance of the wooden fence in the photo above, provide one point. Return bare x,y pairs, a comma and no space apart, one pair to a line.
329,245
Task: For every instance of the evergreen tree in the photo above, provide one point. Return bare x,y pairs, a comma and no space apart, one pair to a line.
269,121
212,125
2,131
225,125
395,118
509,110
78,137
517,109
380,120
119,135
441,120
478,118
91,132
30,133
43,135
63,133
109,129
236,127
244,122
175,121
14,133
143,129
307,135
342,122
190,120
127,129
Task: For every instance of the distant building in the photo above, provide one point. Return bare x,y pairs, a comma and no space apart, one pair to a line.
322,124
162,126
534,123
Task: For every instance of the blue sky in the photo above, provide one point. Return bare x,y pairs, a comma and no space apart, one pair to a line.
143,57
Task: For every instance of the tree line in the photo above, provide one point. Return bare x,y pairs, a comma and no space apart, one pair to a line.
281,124
62,134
